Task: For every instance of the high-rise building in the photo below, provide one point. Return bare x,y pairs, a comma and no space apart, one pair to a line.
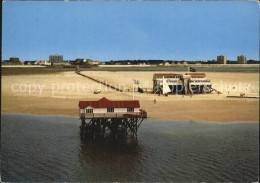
56,58
222,59
242,59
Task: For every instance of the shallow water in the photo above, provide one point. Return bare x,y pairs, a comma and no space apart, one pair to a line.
217,69
48,148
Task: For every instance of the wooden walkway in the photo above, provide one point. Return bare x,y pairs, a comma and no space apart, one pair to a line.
106,84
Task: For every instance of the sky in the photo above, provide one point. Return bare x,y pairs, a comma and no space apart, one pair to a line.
113,30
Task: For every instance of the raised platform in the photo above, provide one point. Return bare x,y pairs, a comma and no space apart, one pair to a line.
142,114
120,125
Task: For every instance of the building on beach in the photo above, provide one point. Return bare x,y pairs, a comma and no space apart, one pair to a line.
173,81
189,83
222,59
198,83
121,118
241,59
108,108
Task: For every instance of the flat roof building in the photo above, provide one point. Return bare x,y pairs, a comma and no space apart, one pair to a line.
222,59
56,58
242,59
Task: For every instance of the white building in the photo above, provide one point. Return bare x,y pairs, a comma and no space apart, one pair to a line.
192,82
107,108
198,83
173,81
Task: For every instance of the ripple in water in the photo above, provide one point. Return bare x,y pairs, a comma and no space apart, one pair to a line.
48,148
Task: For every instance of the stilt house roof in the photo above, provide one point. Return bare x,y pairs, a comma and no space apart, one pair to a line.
105,103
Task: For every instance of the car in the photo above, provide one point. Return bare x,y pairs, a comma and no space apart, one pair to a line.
97,91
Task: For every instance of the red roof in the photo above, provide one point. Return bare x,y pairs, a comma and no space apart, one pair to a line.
196,74
105,103
166,74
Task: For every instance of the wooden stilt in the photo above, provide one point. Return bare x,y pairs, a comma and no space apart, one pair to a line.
120,127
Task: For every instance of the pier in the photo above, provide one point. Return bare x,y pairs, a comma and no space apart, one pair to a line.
119,119
106,84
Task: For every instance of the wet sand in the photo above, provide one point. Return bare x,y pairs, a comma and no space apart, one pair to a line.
59,93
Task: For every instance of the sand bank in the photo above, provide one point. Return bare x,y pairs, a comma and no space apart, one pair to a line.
59,93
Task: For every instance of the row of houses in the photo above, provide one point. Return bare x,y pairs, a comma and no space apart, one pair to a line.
58,60
16,61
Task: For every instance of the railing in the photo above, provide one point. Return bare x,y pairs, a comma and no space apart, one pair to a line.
142,113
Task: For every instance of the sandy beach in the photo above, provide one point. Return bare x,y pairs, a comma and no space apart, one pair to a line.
58,93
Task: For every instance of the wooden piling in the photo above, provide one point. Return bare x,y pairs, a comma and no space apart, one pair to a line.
120,127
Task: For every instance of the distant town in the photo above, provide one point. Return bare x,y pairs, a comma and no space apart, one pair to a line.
57,60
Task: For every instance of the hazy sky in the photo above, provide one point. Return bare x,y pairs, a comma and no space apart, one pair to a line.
130,30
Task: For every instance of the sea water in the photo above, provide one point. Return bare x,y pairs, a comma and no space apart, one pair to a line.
48,148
